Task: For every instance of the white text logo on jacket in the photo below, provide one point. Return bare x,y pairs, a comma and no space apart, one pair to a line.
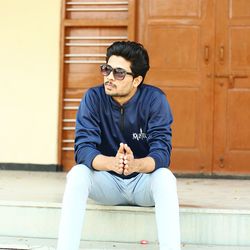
139,136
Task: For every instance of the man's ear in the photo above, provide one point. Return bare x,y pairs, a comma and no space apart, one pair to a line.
137,81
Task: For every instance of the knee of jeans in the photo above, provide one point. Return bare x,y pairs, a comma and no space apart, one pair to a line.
163,178
79,175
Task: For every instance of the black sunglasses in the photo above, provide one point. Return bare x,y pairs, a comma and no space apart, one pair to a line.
119,73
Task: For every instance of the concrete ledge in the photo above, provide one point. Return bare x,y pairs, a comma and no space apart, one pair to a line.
49,244
30,167
126,223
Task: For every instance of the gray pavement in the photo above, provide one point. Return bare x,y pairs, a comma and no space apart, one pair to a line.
24,186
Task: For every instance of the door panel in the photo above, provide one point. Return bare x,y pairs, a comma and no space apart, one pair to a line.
164,57
178,36
185,114
232,88
174,8
238,127
239,9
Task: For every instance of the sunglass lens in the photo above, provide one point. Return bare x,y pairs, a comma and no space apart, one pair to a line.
119,74
105,69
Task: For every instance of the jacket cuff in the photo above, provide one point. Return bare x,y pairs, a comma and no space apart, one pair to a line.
89,159
159,163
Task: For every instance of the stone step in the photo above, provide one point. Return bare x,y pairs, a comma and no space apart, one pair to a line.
126,224
14,243
212,212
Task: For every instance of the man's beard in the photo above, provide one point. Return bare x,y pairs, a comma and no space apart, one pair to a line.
107,83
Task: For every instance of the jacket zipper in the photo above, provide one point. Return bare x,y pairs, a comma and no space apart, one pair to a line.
122,119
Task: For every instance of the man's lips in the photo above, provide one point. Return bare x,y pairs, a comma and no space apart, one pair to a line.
109,85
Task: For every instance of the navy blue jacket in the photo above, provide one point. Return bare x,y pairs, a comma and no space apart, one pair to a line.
143,123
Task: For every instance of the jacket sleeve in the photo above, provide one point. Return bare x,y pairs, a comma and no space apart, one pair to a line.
159,133
87,132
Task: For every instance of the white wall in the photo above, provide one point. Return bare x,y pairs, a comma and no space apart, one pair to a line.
29,80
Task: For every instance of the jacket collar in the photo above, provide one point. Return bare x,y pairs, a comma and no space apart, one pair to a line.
132,100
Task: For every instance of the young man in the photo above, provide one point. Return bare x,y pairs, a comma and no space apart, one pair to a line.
122,148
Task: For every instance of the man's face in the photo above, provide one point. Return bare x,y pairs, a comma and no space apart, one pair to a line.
120,89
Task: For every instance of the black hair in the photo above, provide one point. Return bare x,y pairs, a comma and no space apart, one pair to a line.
133,52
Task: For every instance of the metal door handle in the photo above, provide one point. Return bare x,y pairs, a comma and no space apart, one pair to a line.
240,76
231,78
206,54
221,54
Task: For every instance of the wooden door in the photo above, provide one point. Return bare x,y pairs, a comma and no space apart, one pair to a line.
179,36
88,28
232,87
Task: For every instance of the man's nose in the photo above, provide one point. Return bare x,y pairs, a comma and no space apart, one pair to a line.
111,76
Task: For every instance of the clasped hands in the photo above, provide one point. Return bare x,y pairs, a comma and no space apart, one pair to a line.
124,160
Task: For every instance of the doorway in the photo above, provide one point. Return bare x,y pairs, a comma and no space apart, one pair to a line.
200,57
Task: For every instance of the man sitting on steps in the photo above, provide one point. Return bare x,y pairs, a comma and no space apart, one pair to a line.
122,149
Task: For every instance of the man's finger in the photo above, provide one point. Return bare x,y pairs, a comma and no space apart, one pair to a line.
126,171
120,171
121,148
128,149
126,167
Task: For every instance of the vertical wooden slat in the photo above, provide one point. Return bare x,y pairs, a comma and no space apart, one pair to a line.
131,19
61,86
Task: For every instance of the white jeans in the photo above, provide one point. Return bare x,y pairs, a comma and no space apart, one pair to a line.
157,189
